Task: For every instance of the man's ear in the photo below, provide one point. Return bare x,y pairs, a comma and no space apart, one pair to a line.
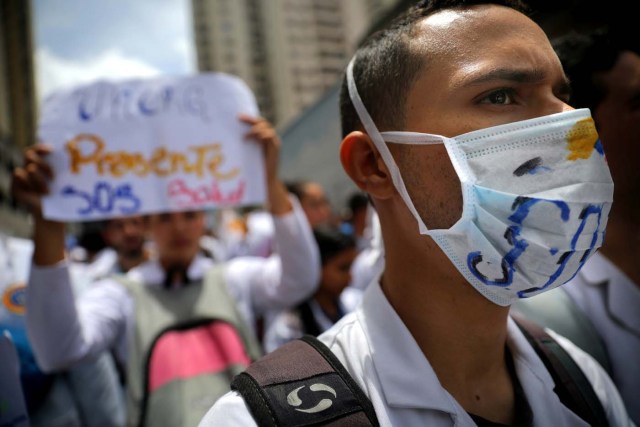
364,165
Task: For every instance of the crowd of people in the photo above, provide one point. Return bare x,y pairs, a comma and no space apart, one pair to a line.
486,157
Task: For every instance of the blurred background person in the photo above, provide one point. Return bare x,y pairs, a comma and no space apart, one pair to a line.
130,315
88,394
329,303
313,200
599,309
356,219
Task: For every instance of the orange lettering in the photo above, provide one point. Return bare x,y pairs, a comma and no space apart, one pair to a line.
207,159
77,157
159,156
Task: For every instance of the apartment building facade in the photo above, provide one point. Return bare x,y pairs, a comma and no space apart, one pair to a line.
17,105
289,52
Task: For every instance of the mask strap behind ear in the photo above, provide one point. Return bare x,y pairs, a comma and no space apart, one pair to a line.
380,144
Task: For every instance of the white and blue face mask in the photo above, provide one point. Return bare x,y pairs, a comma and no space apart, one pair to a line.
536,198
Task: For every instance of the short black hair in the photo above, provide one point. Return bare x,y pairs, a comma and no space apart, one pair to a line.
385,66
331,241
357,200
585,55
297,188
91,237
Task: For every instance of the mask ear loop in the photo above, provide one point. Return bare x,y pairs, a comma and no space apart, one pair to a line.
380,144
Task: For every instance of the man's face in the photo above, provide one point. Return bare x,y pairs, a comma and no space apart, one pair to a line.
487,66
177,235
617,118
126,235
315,205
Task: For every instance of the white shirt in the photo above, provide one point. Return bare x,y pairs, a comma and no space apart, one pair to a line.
63,333
379,352
287,325
612,302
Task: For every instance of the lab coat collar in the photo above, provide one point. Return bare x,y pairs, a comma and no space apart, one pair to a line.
151,272
623,295
104,264
406,376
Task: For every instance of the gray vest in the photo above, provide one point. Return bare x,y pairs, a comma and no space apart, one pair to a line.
183,401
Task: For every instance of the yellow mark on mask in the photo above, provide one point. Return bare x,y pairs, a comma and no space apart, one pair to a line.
582,139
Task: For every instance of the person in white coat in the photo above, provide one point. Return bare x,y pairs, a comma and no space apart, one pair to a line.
330,302
64,333
489,187
604,67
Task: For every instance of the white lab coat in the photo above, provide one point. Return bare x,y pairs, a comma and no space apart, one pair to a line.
382,356
612,302
63,333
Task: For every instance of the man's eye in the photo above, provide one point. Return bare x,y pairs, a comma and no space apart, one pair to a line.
499,97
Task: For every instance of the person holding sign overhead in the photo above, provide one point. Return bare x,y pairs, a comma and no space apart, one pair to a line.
181,325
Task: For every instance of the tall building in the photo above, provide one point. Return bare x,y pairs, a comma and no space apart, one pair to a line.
290,52
17,104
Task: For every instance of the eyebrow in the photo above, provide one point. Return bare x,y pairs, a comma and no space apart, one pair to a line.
508,74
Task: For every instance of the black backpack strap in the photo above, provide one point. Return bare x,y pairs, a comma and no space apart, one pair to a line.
302,383
309,323
557,311
572,386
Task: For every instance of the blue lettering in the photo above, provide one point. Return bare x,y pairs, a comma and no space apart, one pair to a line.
70,191
564,258
124,192
114,102
102,197
105,199
522,206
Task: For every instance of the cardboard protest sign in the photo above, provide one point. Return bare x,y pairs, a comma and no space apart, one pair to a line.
144,146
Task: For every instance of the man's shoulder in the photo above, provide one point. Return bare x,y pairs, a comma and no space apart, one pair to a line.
231,410
348,341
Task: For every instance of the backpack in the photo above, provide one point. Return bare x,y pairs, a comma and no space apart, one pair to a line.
272,387
187,345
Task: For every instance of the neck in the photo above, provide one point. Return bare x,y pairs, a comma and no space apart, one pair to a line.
172,264
328,304
127,262
446,317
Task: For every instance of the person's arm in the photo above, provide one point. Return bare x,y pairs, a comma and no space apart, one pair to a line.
64,330
56,332
29,185
264,134
291,275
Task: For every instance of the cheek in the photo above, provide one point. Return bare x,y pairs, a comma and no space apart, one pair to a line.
433,185
160,237
196,227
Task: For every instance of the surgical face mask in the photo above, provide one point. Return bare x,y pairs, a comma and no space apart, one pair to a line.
536,198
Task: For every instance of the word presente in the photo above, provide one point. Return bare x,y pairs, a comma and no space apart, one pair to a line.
89,149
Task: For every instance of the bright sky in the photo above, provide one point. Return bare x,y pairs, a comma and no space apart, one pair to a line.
80,41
